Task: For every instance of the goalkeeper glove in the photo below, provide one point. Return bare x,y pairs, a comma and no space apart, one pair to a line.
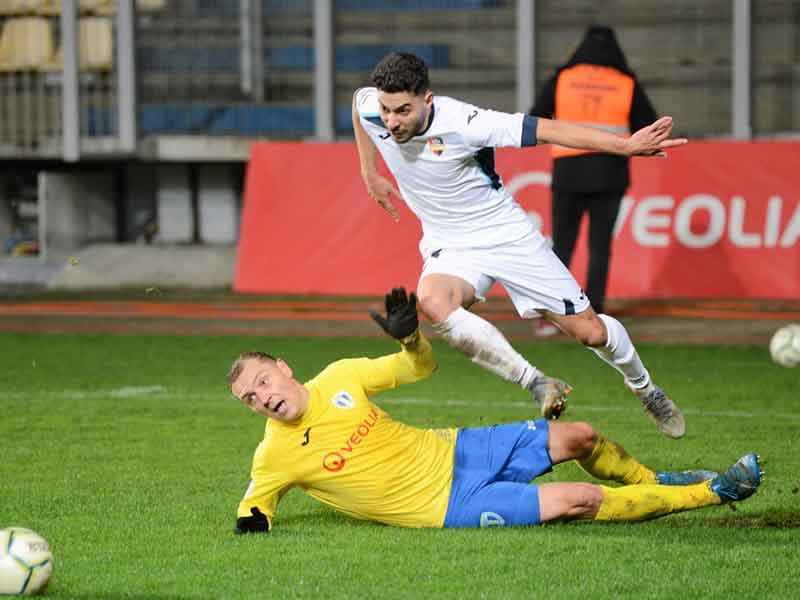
257,522
401,314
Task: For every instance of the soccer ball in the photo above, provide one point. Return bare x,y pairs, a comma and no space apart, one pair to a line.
26,562
785,346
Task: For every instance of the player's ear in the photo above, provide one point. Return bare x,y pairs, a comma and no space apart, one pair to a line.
429,97
283,367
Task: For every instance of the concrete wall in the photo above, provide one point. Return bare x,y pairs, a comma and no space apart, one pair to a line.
217,203
76,208
148,268
174,207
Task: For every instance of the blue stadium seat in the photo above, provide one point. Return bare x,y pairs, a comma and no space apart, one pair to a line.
413,5
188,59
382,5
214,8
349,57
220,119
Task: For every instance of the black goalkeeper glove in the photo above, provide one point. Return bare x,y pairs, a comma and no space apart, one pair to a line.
255,523
401,314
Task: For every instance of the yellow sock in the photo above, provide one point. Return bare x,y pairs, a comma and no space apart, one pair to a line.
610,462
641,502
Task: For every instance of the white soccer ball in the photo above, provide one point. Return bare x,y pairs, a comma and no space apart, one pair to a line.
26,562
784,347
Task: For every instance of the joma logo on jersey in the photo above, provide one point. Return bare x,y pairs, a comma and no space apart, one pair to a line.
335,461
436,145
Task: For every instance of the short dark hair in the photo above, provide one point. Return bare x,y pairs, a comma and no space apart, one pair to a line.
238,365
401,72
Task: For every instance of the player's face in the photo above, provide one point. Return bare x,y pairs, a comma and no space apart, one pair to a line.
405,114
267,387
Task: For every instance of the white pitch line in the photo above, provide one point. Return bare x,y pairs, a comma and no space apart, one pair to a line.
123,392
164,394
582,407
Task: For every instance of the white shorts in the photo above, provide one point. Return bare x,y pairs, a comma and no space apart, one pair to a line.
531,273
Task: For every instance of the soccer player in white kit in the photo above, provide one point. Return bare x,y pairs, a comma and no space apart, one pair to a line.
441,153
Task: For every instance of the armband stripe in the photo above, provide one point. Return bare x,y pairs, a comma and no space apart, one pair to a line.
529,126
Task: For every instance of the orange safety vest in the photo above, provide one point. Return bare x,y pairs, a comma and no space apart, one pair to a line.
595,96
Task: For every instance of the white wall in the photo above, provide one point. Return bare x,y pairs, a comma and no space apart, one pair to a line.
217,204
218,207
173,201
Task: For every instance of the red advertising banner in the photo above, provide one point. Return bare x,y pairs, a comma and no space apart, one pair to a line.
713,220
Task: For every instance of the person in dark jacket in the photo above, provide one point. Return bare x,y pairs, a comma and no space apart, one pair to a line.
596,88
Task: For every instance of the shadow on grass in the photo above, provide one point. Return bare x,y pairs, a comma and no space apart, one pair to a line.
772,519
767,520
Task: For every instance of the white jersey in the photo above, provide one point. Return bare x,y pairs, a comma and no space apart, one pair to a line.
446,174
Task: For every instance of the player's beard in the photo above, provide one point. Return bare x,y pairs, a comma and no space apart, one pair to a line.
418,127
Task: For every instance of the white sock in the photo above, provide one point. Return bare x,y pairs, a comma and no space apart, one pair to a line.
620,353
486,346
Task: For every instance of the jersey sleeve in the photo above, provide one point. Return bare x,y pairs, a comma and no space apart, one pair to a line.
494,129
367,106
414,362
265,490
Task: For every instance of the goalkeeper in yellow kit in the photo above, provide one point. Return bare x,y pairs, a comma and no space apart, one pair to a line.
328,438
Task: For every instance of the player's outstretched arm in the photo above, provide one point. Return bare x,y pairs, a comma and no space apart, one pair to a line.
379,188
652,140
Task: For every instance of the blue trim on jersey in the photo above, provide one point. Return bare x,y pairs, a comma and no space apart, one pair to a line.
492,470
485,159
375,120
529,126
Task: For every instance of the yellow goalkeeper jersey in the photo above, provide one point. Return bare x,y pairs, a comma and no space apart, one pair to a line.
350,454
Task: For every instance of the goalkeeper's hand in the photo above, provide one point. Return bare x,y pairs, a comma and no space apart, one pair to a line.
255,523
401,314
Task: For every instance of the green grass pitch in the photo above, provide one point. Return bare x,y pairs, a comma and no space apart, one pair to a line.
129,456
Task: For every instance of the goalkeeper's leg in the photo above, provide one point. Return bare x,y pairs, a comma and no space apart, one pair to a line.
568,501
607,460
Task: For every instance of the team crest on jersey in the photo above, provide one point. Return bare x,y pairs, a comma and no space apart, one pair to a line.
436,145
343,400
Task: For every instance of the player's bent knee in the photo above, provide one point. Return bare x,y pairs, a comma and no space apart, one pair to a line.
592,334
571,441
584,438
437,307
580,439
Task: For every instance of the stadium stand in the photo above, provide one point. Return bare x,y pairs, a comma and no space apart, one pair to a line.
349,57
181,60
26,43
95,46
92,7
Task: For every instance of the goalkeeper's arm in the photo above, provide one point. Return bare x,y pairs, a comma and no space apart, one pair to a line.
402,323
